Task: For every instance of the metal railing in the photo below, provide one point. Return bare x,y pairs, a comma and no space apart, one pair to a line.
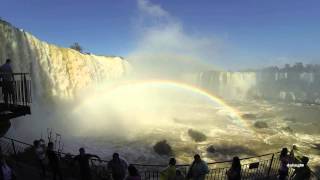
258,167
18,90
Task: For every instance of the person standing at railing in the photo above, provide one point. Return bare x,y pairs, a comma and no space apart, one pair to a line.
7,82
54,161
234,173
284,161
83,160
118,167
198,169
304,172
41,156
169,173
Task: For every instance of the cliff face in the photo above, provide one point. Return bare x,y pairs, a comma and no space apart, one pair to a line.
56,72
288,86
230,85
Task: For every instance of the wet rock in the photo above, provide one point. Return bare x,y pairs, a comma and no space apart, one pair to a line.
316,146
261,124
211,149
290,119
233,150
294,147
249,116
197,136
288,129
162,148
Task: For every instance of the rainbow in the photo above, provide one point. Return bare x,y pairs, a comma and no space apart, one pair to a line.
234,113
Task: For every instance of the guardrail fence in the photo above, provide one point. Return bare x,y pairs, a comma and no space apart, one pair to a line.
21,89
259,167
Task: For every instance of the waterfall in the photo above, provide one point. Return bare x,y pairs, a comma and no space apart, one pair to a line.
230,85
289,86
57,73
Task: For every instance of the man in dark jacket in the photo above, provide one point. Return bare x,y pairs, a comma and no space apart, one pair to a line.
83,160
118,167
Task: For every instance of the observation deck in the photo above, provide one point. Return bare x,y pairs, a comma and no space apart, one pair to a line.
18,95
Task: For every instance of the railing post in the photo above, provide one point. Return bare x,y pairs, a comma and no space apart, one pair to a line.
25,90
13,147
270,166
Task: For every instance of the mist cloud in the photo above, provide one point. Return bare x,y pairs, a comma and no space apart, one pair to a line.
164,48
151,9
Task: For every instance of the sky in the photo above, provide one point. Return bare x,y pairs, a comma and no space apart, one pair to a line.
229,33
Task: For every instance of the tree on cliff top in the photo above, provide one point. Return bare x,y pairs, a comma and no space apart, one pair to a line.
76,46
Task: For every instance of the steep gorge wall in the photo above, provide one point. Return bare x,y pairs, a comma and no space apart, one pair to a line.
288,86
56,72
230,85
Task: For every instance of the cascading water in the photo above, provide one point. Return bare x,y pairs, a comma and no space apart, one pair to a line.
231,85
60,76
289,86
57,73
85,98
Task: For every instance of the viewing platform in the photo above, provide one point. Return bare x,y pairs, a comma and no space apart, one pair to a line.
19,96
260,167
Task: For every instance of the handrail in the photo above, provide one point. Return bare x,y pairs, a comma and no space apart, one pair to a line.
217,172
153,165
21,73
17,141
18,91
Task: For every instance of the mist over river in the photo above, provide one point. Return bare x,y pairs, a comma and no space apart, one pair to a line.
286,125
105,104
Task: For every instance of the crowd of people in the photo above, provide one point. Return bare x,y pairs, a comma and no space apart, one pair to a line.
48,159
119,169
